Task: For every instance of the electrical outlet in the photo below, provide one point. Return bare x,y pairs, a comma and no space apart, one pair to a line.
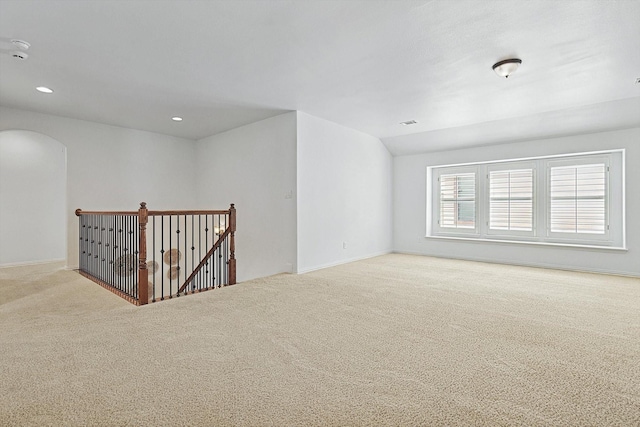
344,245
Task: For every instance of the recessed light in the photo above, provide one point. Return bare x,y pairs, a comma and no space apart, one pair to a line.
408,122
44,89
176,119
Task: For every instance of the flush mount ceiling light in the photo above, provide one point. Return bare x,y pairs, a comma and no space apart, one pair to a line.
176,119
44,89
507,67
21,44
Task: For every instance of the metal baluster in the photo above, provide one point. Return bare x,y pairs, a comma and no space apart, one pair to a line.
125,249
101,245
219,255
192,251
88,255
162,256
136,253
91,241
177,254
110,274
206,248
132,249
153,243
170,258
226,254
185,253
199,278
81,244
213,258
226,257
119,259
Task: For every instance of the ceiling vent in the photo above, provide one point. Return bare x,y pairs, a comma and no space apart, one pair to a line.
408,122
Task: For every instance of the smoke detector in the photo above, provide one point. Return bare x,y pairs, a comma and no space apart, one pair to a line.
19,55
21,44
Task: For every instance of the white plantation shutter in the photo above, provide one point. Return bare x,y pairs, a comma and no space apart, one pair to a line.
571,199
511,200
458,201
578,199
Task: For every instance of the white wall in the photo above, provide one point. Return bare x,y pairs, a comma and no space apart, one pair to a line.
254,166
113,168
410,206
344,194
33,177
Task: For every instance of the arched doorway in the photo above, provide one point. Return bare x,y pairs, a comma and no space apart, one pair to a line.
33,180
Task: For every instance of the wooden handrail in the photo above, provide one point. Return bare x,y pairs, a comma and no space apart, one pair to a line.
130,213
154,213
205,259
185,212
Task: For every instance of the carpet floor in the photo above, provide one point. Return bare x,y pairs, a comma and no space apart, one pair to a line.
397,340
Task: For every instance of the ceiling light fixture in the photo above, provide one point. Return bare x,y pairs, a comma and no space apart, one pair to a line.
408,122
21,44
507,67
176,119
44,89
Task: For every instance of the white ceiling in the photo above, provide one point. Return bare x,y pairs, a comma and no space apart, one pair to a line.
367,65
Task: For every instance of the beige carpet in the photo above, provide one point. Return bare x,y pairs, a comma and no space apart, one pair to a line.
395,340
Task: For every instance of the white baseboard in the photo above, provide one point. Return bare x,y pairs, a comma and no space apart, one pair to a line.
531,264
343,261
21,264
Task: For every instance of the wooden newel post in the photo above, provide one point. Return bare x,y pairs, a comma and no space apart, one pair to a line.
143,276
232,245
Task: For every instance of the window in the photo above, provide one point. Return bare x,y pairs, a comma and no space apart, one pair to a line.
511,200
572,199
578,199
458,201
455,208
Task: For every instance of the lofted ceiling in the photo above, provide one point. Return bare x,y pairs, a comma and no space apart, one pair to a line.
367,65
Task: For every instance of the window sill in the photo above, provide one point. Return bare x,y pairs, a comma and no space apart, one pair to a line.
526,242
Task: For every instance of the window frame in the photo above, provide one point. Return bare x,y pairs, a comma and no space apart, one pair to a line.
615,233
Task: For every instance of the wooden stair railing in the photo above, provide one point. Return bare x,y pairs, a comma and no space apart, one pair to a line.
204,261
115,246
